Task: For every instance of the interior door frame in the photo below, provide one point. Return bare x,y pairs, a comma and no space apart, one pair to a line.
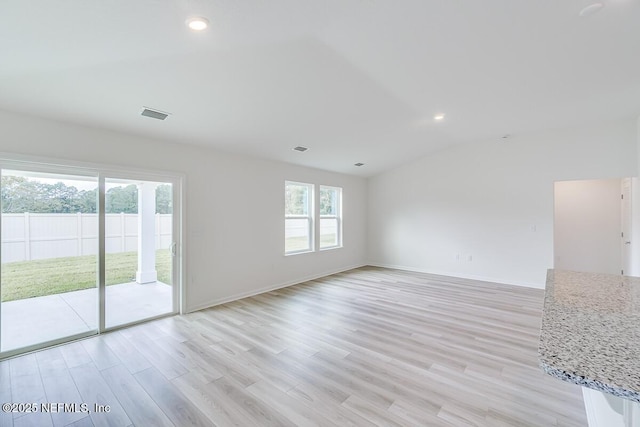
626,225
100,172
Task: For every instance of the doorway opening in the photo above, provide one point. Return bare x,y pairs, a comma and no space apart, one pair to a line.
593,226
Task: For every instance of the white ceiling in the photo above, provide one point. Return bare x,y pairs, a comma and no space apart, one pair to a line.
353,80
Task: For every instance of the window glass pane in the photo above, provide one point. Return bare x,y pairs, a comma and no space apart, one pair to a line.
138,259
49,244
296,232
328,201
330,212
296,199
298,217
328,232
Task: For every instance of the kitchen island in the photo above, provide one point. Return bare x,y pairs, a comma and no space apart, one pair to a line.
590,336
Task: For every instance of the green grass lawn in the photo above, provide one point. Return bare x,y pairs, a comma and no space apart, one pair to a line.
27,279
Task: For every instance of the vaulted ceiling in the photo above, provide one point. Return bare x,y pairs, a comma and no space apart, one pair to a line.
353,80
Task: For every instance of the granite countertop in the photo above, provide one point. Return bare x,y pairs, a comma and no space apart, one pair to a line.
590,332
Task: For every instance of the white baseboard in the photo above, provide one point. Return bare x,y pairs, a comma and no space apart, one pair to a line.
461,276
264,289
269,288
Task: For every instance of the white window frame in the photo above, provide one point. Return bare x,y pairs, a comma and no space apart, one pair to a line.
309,217
337,217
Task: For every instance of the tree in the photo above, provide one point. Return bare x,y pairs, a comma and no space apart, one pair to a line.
164,199
20,194
122,199
327,201
296,199
17,194
87,201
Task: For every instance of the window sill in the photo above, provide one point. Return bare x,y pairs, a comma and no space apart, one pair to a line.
299,252
329,248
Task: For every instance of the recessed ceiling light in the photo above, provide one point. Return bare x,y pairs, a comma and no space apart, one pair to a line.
438,117
197,23
300,148
591,9
359,164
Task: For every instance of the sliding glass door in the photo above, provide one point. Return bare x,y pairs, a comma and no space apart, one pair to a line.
139,244
48,270
83,251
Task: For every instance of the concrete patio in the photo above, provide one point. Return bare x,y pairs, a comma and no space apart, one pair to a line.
35,320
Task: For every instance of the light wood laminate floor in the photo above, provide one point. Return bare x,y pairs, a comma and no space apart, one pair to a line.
367,347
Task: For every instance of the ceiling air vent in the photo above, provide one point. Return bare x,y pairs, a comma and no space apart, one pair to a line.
300,148
154,114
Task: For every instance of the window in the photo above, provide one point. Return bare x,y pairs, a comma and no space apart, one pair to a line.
298,214
330,217
300,232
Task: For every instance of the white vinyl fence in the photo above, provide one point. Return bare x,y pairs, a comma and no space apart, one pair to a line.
31,236
296,227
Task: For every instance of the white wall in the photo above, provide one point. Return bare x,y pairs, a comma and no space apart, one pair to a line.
225,258
587,226
490,200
